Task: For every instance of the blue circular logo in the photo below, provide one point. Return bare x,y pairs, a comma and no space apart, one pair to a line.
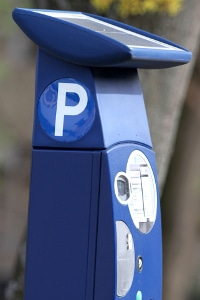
66,110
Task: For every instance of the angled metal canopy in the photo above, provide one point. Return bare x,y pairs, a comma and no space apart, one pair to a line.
95,41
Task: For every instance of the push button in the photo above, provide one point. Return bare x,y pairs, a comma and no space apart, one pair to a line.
139,295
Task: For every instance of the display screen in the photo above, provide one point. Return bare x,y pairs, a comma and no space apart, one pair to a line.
129,38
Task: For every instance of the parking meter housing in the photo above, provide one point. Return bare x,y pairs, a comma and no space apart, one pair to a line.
94,229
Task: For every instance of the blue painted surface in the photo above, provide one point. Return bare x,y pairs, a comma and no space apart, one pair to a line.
71,236
115,95
148,246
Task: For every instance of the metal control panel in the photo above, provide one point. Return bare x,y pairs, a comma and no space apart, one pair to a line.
136,188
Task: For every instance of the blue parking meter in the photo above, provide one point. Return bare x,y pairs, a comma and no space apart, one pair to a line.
94,229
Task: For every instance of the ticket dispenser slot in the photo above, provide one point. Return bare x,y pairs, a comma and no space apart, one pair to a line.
94,229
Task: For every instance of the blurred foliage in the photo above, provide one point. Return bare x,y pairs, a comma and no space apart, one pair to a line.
125,8
6,7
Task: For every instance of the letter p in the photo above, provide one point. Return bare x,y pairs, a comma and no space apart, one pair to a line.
66,110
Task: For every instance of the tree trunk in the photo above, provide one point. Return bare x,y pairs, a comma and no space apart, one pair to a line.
181,204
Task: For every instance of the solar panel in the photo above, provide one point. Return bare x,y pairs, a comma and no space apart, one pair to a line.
90,40
127,37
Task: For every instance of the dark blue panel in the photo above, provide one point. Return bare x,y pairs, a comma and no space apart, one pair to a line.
62,225
105,272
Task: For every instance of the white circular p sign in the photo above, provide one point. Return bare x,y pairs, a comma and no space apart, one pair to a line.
66,110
